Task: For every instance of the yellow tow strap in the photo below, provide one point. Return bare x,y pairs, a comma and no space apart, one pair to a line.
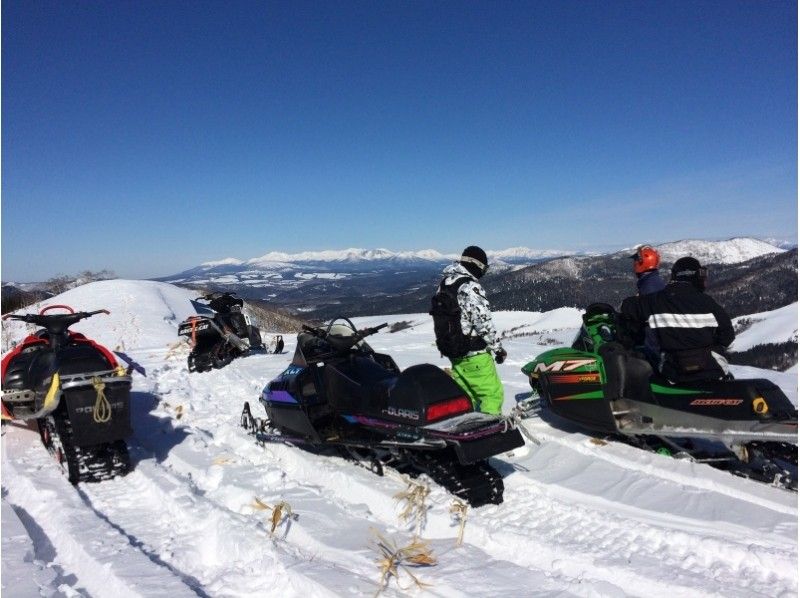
102,408
52,393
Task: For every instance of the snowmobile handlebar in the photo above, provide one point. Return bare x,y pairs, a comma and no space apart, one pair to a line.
340,342
375,329
55,323
322,333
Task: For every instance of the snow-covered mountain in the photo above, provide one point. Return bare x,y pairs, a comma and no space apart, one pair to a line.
355,260
580,518
781,243
731,251
327,279
280,276
279,269
367,281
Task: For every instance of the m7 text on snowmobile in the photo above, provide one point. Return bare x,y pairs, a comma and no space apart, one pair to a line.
746,426
75,391
221,335
339,394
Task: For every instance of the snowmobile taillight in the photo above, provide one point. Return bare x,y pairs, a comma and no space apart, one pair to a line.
447,408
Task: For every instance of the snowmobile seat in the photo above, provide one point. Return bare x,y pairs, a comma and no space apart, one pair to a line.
627,376
358,384
706,395
79,359
420,385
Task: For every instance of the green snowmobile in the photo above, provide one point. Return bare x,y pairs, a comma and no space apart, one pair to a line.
746,426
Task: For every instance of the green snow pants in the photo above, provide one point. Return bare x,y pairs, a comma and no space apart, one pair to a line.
477,375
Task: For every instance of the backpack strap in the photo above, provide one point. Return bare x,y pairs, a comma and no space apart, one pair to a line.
456,284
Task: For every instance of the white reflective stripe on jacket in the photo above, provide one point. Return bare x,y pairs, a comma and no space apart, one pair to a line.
676,320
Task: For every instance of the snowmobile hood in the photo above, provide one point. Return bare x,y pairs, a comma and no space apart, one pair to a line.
455,271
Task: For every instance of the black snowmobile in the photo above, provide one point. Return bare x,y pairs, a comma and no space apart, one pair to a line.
746,426
76,392
219,333
339,395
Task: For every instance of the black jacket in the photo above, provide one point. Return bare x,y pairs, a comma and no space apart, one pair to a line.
682,318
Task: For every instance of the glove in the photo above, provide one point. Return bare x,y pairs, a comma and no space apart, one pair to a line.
500,355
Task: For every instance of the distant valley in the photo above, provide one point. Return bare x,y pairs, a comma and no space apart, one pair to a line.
747,276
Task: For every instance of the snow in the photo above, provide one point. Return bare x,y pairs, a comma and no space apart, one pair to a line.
518,254
777,326
345,255
228,261
579,519
732,251
320,275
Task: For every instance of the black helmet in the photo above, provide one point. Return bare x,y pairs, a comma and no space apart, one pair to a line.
688,269
474,259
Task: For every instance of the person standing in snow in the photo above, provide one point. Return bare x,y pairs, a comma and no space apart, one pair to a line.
465,332
279,344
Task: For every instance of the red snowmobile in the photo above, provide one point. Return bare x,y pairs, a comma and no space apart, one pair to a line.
75,390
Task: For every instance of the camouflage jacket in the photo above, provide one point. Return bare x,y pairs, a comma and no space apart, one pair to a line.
476,317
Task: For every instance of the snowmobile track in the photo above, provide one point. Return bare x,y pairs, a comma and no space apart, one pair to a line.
82,464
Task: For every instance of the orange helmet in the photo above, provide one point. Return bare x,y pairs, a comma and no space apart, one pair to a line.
645,259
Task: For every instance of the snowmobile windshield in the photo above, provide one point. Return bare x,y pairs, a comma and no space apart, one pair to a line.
598,328
224,302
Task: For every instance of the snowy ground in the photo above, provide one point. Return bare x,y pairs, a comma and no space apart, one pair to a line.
578,519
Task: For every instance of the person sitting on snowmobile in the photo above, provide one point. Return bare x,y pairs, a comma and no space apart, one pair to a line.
648,281
692,330
645,266
465,332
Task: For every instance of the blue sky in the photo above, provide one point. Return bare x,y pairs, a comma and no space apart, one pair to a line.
148,136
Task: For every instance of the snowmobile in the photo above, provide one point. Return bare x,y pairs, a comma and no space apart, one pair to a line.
748,427
220,335
75,391
340,396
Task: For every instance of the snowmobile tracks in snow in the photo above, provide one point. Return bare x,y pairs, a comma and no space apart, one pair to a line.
82,464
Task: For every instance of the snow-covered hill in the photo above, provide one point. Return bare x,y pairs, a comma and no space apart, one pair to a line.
731,251
144,314
777,326
579,518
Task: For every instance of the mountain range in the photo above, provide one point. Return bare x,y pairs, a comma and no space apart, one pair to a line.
324,284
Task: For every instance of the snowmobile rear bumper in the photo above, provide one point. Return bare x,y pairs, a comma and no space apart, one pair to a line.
488,446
